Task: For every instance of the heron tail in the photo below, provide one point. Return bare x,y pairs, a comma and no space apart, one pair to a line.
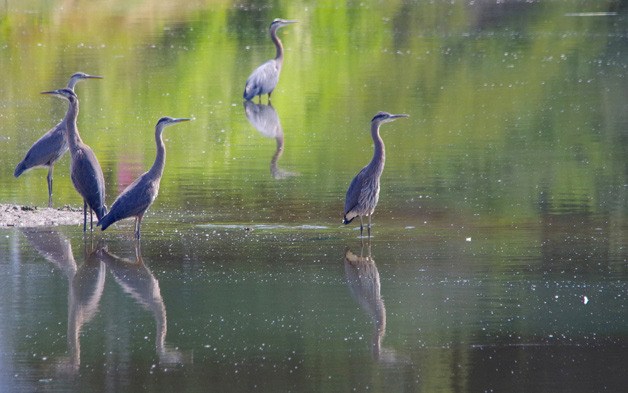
346,221
248,95
105,221
101,212
19,169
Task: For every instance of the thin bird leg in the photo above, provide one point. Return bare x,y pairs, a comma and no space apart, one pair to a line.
269,97
91,219
138,253
138,222
84,215
369,227
361,226
50,168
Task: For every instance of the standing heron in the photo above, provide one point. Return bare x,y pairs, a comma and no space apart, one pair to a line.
265,77
139,195
363,192
52,145
85,170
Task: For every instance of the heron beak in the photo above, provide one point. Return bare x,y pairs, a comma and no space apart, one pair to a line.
399,116
181,119
93,77
289,22
52,92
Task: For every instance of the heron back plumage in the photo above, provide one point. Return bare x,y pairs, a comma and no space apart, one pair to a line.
88,178
45,151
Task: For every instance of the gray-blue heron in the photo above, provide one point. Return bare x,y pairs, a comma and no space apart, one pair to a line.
363,192
85,170
52,145
265,77
139,195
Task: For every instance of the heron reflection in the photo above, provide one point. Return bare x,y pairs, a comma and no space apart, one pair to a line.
85,286
136,279
363,281
265,120
54,247
84,295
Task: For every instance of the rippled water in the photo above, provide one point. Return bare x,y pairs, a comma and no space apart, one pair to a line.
498,256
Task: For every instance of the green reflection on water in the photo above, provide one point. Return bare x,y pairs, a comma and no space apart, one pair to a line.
510,114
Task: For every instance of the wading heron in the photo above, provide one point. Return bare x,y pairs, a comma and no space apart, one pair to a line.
139,195
265,77
85,170
52,145
363,192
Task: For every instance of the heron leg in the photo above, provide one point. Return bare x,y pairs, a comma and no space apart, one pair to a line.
49,178
91,219
269,97
369,227
84,215
138,222
138,253
361,226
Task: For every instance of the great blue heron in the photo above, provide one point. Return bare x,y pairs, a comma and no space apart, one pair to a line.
52,145
139,195
85,170
265,77
363,193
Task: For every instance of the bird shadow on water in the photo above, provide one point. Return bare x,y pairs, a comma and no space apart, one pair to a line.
86,283
264,118
362,278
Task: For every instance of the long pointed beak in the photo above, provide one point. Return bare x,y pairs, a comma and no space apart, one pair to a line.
52,92
399,115
94,77
181,119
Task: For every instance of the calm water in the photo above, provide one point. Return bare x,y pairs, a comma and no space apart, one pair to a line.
498,261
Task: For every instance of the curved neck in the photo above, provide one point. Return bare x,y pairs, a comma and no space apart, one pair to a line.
71,83
379,155
160,160
70,123
278,45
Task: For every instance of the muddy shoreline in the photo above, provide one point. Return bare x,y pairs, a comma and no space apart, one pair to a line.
31,216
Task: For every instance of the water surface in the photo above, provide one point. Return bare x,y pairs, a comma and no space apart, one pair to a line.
498,260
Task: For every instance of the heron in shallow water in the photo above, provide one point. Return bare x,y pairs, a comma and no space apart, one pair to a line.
52,145
265,77
139,195
85,170
363,192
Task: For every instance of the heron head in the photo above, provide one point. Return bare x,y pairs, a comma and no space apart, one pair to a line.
385,117
64,93
166,121
79,76
277,23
